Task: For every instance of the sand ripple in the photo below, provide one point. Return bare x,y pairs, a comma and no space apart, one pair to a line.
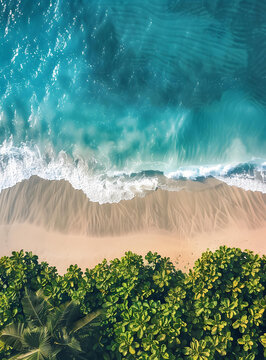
198,208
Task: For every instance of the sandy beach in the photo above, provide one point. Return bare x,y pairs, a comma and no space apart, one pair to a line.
61,226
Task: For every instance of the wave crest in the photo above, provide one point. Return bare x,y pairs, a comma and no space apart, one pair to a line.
20,163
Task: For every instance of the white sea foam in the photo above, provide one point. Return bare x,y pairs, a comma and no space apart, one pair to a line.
244,183
20,163
224,172
194,172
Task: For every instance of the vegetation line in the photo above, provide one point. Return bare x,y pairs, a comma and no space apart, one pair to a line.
134,308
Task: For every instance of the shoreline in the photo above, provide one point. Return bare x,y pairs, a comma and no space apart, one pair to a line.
62,227
197,208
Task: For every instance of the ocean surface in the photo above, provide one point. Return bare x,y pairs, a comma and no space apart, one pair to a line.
118,97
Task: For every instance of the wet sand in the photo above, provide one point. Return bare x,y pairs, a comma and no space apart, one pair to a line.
63,227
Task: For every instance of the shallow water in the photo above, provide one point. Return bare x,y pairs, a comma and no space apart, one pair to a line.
101,92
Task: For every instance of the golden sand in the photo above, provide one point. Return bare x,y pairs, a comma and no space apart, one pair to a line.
63,227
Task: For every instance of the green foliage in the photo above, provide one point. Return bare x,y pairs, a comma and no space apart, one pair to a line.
152,310
47,332
197,350
18,272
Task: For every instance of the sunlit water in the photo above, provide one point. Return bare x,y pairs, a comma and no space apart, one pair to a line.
102,92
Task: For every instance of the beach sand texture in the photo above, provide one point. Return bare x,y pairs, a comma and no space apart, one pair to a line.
63,227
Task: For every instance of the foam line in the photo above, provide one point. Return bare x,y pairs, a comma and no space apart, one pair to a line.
20,163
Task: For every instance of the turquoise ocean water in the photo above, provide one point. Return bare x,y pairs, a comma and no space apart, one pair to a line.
112,95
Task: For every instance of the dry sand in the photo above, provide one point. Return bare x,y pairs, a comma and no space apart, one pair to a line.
62,250
63,227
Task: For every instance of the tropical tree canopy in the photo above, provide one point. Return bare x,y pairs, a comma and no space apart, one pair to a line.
149,309
47,332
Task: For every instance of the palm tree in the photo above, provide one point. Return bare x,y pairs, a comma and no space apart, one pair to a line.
48,333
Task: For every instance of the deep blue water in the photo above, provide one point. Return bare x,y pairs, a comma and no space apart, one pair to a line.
95,90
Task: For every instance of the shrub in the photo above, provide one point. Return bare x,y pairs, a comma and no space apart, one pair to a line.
152,310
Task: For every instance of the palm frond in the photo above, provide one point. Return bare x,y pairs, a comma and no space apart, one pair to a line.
68,342
30,355
88,319
54,320
38,339
64,315
13,335
35,307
